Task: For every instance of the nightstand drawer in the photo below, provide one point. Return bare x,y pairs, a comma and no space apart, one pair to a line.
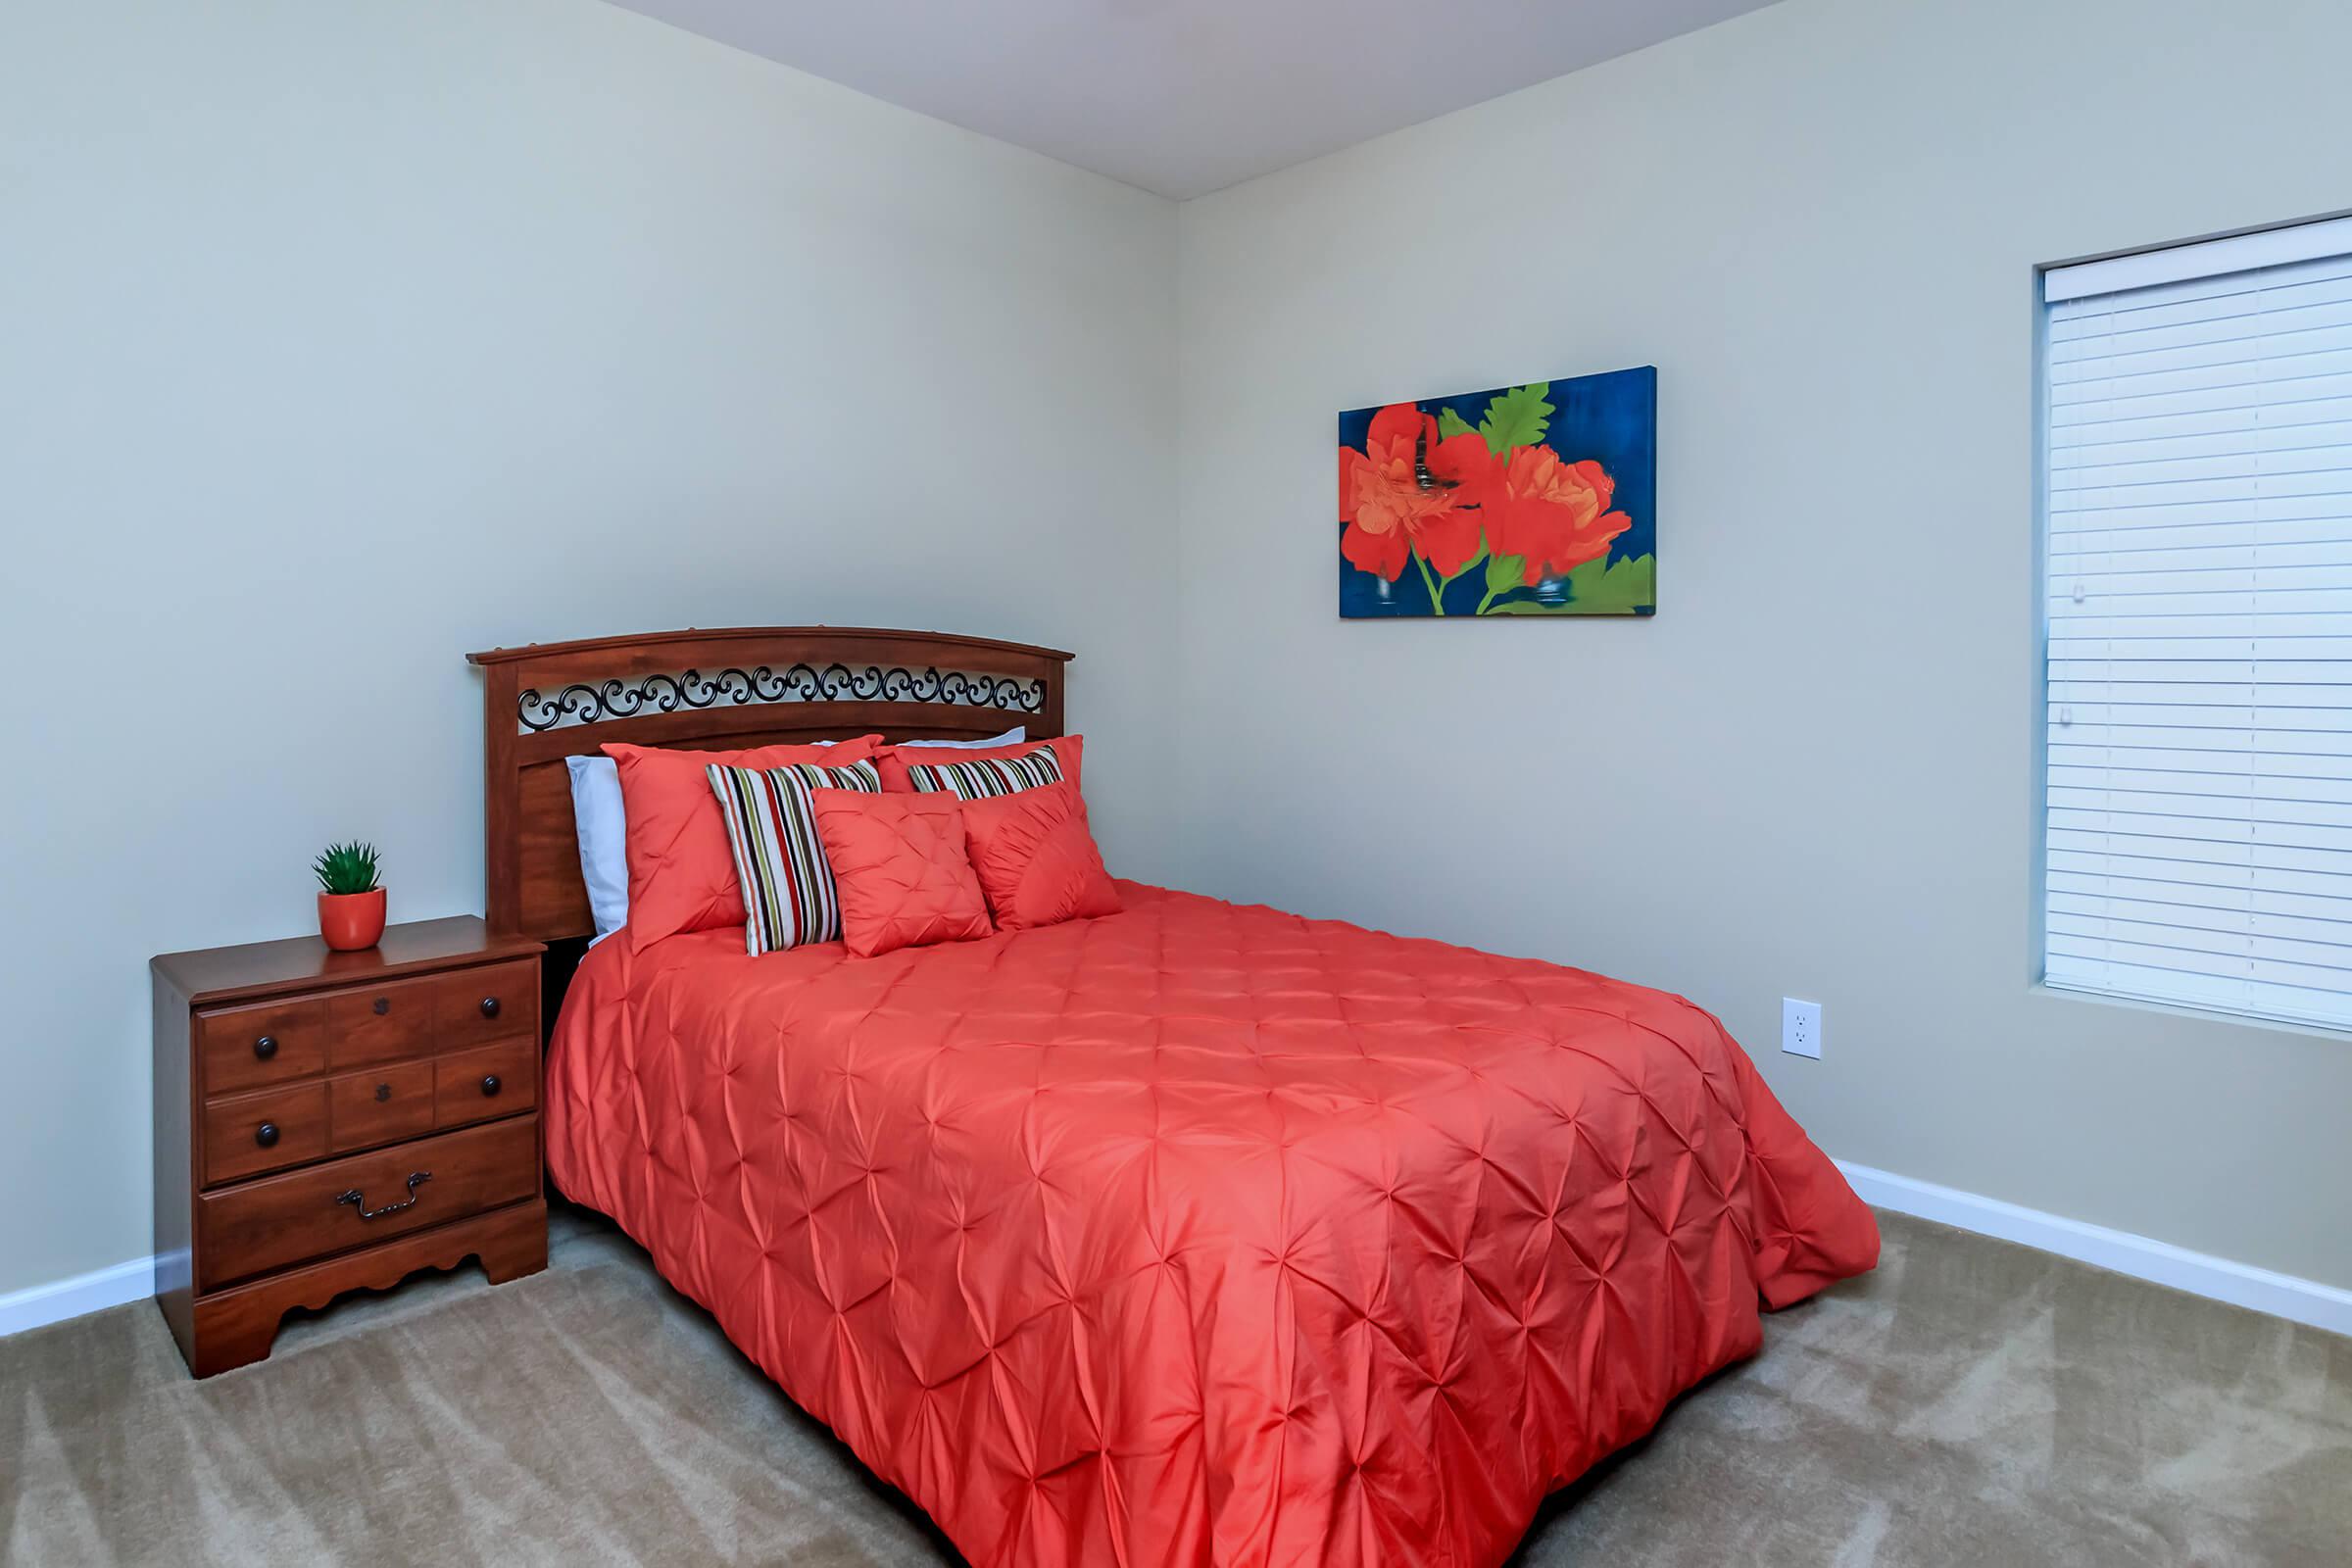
366,1198
492,1002
245,1048
367,1108
381,1023
490,1081
253,1133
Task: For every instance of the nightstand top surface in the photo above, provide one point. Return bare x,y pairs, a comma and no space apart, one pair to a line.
256,969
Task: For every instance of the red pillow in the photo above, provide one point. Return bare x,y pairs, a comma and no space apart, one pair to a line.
894,760
900,871
681,872
1036,857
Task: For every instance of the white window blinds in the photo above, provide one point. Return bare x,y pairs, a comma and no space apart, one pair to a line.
2199,830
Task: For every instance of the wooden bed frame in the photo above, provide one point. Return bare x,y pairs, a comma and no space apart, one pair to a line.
703,690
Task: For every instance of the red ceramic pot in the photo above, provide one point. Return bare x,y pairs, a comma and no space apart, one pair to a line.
350,921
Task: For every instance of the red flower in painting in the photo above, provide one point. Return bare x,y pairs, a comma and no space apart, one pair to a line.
1391,515
1554,514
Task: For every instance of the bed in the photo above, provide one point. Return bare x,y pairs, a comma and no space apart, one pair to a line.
1196,1234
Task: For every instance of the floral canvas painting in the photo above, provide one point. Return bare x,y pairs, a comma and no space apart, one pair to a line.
1536,500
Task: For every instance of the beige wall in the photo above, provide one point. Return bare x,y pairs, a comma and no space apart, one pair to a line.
337,339
1812,773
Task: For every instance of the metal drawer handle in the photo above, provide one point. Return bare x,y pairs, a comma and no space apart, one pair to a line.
265,1135
489,1006
490,1084
265,1047
416,1179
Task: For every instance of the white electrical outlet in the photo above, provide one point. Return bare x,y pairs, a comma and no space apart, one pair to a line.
1800,1027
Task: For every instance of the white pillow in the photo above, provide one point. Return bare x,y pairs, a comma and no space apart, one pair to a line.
1012,737
604,828
604,840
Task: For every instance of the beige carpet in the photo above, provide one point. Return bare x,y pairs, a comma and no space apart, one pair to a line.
1970,1404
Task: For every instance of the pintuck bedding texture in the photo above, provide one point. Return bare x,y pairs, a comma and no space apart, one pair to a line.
1197,1234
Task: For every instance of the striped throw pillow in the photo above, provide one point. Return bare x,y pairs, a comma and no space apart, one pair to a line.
779,860
981,780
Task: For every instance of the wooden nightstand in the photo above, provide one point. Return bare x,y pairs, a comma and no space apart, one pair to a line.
327,1121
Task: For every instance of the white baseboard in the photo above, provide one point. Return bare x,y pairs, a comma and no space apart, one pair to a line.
2285,1296
37,1305
2160,1262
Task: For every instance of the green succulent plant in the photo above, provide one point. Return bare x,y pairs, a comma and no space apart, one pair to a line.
347,868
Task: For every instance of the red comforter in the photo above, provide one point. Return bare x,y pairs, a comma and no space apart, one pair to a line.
1198,1234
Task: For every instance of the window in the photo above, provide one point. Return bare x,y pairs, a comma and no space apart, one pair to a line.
2198,845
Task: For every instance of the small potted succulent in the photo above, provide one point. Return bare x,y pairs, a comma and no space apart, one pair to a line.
351,902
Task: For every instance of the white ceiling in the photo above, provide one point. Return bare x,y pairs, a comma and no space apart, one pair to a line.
1186,96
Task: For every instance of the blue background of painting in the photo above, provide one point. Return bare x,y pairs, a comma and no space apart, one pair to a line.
1612,418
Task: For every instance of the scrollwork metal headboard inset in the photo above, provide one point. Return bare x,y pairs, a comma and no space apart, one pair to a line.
590,704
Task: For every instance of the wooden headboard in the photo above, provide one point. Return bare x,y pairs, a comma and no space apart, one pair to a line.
739,686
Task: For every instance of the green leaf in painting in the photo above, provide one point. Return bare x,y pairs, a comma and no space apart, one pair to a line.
1517,417
1613,588
1596,588
1505,573
1452,424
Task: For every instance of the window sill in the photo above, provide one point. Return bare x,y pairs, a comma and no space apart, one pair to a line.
2189,1011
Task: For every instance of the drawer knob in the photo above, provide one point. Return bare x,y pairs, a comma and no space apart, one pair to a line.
383,1004
416,1179
265,1135
383,1091
265,1047
489,1006
490,1085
